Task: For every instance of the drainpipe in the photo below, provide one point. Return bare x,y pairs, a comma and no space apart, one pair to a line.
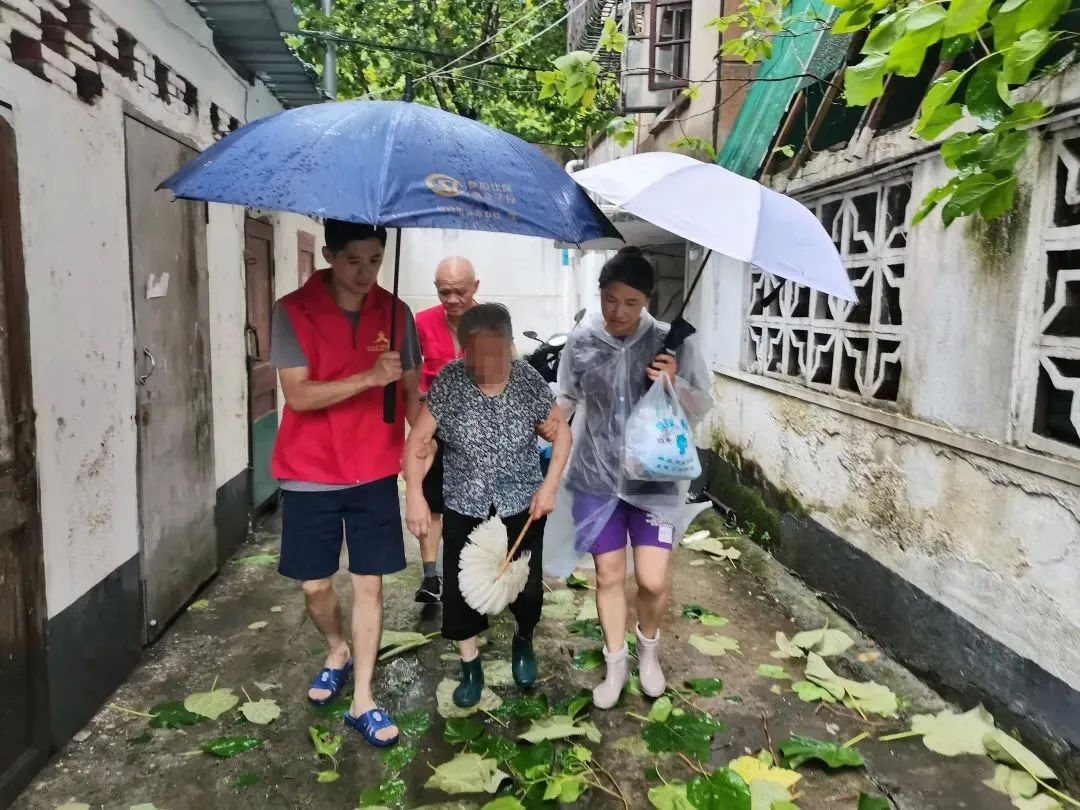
574,165
329,60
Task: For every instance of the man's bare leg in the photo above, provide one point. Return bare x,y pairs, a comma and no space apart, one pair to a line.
325,611
367,616
430,586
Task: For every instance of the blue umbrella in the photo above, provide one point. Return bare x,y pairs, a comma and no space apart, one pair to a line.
395,164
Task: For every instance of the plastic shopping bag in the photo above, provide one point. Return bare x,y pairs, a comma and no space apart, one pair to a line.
659,445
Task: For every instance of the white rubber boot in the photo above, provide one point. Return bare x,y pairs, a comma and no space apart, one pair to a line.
653,682
607,694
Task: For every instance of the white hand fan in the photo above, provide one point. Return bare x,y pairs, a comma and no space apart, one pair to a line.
489,577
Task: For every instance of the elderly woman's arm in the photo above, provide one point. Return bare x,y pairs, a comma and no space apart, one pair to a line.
414,465
543,502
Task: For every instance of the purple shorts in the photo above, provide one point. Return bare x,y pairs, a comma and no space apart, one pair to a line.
643,528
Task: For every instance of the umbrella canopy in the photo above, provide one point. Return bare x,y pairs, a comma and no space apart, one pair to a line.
396,164
723,211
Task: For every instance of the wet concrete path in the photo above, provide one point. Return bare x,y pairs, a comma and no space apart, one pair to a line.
251,634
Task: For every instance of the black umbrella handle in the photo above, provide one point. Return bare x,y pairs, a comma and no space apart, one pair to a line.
389,402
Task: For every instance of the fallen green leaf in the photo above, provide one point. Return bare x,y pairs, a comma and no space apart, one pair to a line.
334,710
1003,748
785,649
396,642
231,746
389,794
797,750
461,730
765,795
753,769
73,806
577,704
326,744
467,773
811,692
705,687
954,734
198,606
414,723
395,759
1041,801
1014,784
140,739
492,746
588,611
444,698
705,617
577,582
863,697
257,625
261,712
504,803
559,727
565,788
588,660
868,802
713,644
588,629
534,761
723,790
524,707
173,715
634,746
498,673
211,704
824,642
325,777
671,796
687,733
774,672
661,710
560,605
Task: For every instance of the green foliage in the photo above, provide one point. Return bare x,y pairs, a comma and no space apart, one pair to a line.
696,145
226,747
998,45
682,733
797,750
508,99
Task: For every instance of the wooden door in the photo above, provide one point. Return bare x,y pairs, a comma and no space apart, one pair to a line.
305,244
174,412
24,740
262,382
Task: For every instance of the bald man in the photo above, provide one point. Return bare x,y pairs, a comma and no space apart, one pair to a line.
456,285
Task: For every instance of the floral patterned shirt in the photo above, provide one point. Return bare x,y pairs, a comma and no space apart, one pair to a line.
489,443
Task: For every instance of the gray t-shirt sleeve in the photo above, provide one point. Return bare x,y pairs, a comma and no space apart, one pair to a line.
410,342
285,349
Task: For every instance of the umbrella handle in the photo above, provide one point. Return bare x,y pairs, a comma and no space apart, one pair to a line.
514,548
389,403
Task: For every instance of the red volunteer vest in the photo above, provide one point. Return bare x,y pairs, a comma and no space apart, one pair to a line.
436,344
347,443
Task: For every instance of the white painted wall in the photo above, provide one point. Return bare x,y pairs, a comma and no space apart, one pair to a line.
524,273
931,489
74,225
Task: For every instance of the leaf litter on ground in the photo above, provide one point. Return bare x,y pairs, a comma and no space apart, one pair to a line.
773,671
467,773
414,723
260,712
798,749
559,605
588,629
395,759
588,660
723,789
173,715
688,733
825,642
705,687
703,615
211,704
230,746
713,643
396,642
444,698
864,698
524,707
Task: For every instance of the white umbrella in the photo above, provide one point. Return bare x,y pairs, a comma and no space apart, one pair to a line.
723,211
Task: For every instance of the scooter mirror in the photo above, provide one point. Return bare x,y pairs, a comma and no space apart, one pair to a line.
531,335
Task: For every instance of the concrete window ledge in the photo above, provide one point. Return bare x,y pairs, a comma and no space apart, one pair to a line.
976,445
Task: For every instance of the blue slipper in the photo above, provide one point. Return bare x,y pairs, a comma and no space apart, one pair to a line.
371,723
332,679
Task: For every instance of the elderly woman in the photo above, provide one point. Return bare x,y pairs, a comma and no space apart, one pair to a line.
607,366
487,408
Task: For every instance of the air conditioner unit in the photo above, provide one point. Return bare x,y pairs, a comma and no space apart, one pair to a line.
637,97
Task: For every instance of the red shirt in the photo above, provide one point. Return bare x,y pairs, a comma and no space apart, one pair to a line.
437,343
347,443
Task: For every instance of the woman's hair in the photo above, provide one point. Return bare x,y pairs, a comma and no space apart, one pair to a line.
485,318
630,267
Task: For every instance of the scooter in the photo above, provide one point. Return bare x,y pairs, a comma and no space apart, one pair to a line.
545,358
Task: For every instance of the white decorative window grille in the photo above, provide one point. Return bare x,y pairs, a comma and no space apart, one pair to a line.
1055,417
846,348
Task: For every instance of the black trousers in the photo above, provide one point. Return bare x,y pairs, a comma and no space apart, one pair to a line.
459,620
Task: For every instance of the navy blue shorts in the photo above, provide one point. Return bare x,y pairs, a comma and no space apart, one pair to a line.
367,516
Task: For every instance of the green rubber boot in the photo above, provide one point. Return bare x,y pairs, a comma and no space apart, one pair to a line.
523,661
467,693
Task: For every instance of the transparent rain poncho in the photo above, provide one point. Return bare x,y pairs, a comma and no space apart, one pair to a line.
601,379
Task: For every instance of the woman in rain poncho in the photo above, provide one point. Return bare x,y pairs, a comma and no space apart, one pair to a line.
607,366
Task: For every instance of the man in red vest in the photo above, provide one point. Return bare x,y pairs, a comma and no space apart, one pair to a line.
337,460
456,284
